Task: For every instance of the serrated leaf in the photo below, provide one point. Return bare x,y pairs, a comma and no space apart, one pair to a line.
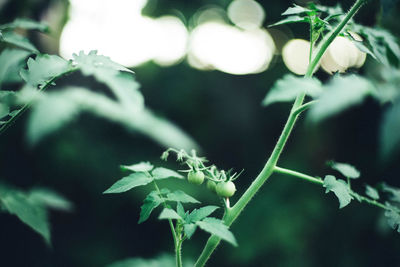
341,93
10,59
50,199
151,202
296,9
17,40
138,167
30,213
180,210
287,89
163,173
26,24
168,213
345,169
389,131
290,19
189,229
201,213
180,196
371,192
217,227
129,182
44,68
339,188
393,219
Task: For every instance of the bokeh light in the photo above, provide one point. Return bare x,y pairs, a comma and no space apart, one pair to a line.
295,55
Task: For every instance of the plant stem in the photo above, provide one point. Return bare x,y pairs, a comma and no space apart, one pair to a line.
232,213
299,175
178,253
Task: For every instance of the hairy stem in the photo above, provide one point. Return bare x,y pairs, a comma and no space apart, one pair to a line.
269,168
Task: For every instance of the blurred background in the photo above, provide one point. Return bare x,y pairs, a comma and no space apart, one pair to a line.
206,65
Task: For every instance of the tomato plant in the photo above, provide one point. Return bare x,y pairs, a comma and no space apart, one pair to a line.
337,44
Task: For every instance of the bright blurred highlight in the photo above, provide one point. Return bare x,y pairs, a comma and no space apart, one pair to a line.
295,55
246,14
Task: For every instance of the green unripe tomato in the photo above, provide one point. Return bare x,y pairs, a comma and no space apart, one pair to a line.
196,177
226,189
211,185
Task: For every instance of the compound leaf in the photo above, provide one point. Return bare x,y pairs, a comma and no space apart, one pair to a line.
189,229
10,60
18,40
217,227
371,192
201,213
180,196
129,182
49,198
168,213
339,188
26,24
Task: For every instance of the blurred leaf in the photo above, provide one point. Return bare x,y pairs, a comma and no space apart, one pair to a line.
371,192
31,213
9,60
50,199
393,219
200,214
339,188
287,89
151,202
180,210
389,131
180,196
26,24
347,170
49,114
217,227
129,182
17,40
138,167
164,260
394,192
44,68
168,213
163,173
341,93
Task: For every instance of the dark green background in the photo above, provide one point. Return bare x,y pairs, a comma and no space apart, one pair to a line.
289,223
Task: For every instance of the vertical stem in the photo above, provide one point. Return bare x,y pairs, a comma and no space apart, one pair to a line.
231,214
178,253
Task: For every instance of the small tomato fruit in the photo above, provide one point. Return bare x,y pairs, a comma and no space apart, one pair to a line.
211,185
226,189
196,177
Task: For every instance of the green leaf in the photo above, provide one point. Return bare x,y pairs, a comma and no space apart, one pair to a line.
393,191
30,213
180,210
151,202
389,131
164,260
339,188
138,167
180,196
49,114
168,213
189,229
291,19
371,192
200,214
18,40
163,173
50,199
26,24
287,89
217,227
296,9
44,68
10,59
129,182
393,219
345,169
341,93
